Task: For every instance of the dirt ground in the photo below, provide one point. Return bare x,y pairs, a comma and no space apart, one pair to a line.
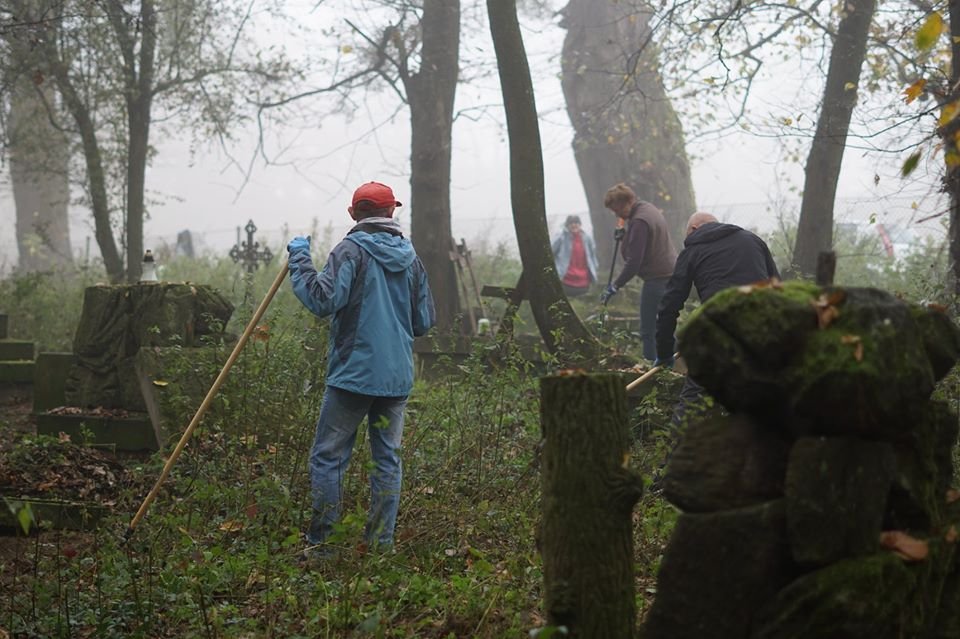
57,470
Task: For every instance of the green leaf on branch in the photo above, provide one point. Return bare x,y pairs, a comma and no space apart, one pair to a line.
910,164
929,33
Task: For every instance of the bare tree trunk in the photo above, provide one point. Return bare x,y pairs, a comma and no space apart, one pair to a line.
951,180
815,228
431,92
138,80
561,329
586,533
625,127
78,110
39,161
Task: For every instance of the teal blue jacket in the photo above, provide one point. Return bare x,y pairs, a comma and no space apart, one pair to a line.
375,290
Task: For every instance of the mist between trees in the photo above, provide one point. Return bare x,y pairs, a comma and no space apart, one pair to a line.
649,92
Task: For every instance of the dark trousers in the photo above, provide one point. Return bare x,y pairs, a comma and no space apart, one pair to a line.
691,404
650,297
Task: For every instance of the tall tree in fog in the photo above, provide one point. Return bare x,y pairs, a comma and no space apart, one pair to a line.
430,91
625,128
822,170
121,68
560,328
39,156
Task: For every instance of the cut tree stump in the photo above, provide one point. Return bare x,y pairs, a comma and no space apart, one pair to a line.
585,534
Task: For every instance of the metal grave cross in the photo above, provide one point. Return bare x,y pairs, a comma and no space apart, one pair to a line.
249,252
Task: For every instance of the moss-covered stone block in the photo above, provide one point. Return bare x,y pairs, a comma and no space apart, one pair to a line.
844,361
16,349
718,569
16,372
132,432
866,597
925,470
868,371
725,463
117,321
173,382
50,379
836,490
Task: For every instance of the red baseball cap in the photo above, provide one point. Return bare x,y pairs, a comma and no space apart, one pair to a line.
380,196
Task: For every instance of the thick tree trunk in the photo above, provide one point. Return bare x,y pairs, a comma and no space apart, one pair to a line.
586,537
39,160
560,328
625,127
50,62
815,228
138,80
948,134
431,92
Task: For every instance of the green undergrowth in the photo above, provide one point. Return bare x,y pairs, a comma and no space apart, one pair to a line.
217,554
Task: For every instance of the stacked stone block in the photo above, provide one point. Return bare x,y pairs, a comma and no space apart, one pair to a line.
821,504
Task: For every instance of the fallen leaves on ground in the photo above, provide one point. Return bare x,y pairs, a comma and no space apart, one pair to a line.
99,411
59,469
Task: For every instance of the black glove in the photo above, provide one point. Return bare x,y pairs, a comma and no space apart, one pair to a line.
619,233
608,292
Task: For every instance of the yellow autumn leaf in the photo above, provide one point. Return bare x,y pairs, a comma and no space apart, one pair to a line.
928,34
787,121
160,383
611,139
952,158
913,91
231,525
346,48
949,112
849,86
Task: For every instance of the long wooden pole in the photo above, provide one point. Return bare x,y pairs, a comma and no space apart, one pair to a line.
650,373
251,325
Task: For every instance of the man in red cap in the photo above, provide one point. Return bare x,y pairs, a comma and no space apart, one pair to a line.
375,289
374,197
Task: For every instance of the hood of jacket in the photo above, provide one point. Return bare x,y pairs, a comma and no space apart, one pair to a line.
382,238
711,232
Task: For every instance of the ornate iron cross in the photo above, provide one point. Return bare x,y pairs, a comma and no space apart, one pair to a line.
249,252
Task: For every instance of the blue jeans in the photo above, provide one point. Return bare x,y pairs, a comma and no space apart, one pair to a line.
340,416
650,296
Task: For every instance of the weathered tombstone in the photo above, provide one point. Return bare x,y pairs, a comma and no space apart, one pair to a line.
184,244
50,380
103,391
16,362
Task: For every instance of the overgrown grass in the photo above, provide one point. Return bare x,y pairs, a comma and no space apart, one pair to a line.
217,554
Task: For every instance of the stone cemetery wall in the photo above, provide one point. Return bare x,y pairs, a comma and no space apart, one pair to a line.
821,505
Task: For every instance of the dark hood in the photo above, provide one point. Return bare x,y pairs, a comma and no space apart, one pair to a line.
711,232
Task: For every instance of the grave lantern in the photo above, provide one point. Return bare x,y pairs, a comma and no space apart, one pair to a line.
149,268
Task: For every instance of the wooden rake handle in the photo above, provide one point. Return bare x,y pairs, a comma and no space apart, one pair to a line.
251,325
650,373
